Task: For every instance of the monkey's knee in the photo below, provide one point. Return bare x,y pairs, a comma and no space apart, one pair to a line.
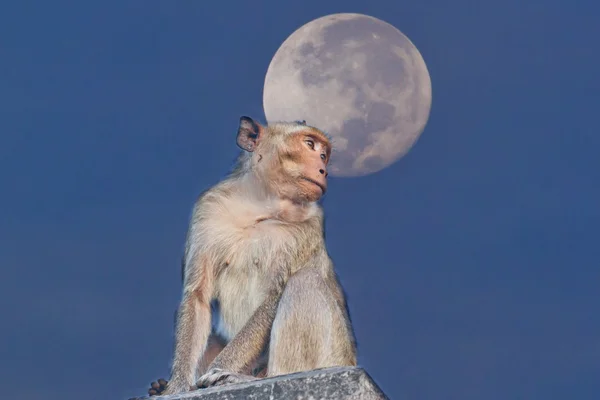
304,293
309,330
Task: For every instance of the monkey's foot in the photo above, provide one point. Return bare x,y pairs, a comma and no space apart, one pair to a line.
156,388
219,377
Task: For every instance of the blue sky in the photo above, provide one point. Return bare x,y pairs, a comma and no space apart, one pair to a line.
471,265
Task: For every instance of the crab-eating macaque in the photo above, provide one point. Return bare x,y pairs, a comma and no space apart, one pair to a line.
255,248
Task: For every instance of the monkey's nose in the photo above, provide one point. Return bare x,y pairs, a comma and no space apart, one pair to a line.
323,172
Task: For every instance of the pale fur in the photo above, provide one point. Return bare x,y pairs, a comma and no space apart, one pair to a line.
264,260
226,231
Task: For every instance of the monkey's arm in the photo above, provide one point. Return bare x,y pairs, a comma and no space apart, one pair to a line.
193,322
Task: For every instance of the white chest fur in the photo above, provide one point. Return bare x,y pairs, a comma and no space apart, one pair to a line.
250,240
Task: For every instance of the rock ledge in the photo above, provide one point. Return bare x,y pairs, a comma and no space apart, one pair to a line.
339,383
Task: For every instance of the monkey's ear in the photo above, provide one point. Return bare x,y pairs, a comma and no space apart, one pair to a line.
248,134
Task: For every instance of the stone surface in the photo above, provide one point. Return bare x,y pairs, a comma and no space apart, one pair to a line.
339,383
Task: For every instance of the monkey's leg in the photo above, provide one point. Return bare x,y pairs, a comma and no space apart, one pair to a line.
309,330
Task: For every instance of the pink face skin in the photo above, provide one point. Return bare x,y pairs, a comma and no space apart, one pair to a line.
314,171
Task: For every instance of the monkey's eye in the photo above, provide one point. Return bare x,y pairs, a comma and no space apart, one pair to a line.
310,144
323,156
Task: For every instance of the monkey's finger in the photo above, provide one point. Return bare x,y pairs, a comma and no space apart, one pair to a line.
205,383
162,382
152,392
220,380
155,385
199,385
226,380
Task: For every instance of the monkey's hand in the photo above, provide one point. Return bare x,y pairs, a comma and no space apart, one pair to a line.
219,377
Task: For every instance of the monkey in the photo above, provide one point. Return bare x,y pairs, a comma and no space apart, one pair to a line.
255,255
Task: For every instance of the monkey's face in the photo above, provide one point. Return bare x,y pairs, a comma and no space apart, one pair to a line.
304,158
291,158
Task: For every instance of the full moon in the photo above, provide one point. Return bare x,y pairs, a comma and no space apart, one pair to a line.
357,78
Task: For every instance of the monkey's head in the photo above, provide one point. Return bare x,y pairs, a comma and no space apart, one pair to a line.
290,158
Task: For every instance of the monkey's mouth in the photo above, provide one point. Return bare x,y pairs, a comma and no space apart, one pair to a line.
323,189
